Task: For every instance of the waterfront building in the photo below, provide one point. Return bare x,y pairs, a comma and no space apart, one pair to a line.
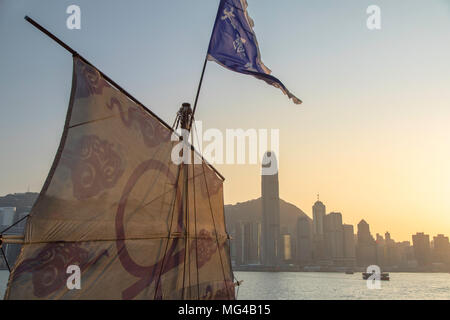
252,243
270,212
287,248
380,250
237,243
9,218
334,237
304,241
422,250
349,244
319,212
405,253
392,251
441,249
366,246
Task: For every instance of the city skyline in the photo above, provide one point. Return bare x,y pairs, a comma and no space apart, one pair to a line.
266,236
371,137
325,241
386,230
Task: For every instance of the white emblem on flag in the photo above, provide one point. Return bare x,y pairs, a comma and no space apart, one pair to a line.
238,44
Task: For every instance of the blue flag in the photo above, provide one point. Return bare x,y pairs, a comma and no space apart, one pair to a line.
234,46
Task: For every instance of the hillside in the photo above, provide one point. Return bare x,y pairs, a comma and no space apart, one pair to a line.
22,201
252,211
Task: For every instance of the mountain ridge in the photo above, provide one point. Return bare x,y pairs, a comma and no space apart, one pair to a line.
251,211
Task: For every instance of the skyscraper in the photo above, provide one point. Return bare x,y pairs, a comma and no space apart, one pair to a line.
349,244
271,243
304,241
8,217
441,249
252,240
406,253
286,253
334,237
366,250
381,245
392,251
319,211
237,247
422,250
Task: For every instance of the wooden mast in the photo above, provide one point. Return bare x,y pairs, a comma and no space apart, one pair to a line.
185,117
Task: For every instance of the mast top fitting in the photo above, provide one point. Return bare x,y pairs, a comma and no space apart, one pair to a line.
184,115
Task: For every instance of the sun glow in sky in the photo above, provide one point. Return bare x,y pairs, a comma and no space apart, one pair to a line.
372,136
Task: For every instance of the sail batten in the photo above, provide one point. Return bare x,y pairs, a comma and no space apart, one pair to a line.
114,204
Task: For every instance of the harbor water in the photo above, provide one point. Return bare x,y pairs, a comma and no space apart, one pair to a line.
322,285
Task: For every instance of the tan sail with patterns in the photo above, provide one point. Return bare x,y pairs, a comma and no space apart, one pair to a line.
113,205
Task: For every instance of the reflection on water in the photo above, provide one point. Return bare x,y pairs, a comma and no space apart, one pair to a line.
321,285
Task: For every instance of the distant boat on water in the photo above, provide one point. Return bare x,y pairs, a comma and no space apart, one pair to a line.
383,276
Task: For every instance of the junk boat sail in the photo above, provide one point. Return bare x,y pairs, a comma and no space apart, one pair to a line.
114,204
138,225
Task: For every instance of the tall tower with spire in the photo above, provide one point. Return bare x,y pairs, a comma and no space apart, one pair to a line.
319,212
270,197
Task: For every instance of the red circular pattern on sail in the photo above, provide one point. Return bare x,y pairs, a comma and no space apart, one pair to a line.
49,266
128,263
146,274
206,247
207,244
95,166
90,81
153,133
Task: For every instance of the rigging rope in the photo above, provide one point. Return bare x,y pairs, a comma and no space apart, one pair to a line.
186,224
18,221
212,214
195,215
1,240
6,260
170,231
215,231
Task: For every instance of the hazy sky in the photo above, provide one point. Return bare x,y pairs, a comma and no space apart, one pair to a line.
373,133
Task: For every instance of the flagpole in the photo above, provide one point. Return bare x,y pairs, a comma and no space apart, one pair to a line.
199,88
204,68
187,125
